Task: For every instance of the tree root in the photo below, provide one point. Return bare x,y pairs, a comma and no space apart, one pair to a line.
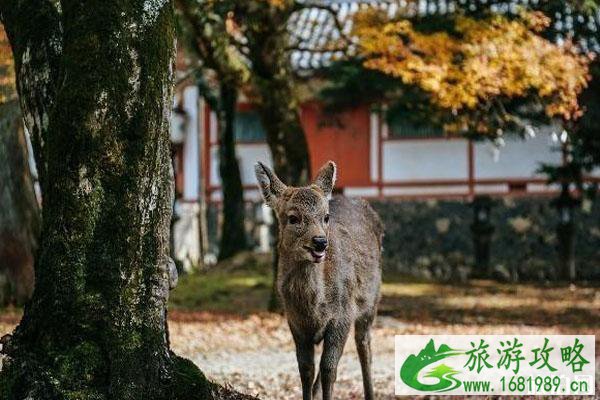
27,379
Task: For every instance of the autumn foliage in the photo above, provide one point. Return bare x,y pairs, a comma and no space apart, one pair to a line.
472,69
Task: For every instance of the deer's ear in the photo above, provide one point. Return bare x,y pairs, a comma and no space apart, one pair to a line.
326,178
270,185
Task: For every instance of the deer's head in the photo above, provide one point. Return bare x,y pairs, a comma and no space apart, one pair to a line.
302,212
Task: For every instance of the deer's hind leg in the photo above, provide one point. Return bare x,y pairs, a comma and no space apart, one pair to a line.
362,336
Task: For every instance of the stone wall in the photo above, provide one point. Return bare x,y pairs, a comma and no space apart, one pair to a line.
433,238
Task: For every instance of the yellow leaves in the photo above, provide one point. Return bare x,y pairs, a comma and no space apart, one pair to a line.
7,71
483,60
537,21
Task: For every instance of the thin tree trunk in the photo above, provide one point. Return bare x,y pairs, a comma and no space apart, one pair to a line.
211,46
274,80
279,112
233,234
280,115
95,80
279,106
19,213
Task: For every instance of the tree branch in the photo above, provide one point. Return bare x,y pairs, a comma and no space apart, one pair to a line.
212,48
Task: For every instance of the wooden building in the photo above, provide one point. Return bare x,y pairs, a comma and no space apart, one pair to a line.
375,159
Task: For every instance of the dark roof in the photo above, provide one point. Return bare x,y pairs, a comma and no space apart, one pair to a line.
316,29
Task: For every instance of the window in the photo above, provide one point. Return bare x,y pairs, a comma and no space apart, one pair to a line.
249,127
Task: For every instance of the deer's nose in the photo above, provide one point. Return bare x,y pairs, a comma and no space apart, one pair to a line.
319,243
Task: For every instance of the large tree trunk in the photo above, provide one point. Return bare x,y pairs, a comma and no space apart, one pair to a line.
233,233
96,86
19,213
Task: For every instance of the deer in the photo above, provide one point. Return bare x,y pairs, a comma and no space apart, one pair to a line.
328,274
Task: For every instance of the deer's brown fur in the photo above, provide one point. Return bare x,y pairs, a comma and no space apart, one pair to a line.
324,295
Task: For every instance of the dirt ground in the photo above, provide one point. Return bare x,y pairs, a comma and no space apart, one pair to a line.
254,352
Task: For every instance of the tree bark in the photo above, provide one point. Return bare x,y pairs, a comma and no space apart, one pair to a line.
95,82
233,234
265,26
19,213
279,107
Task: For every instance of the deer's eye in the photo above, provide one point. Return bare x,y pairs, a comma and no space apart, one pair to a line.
326,219
293,219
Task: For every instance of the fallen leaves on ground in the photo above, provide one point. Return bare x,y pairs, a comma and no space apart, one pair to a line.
254,353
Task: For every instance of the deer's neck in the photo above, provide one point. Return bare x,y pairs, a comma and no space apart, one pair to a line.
300,282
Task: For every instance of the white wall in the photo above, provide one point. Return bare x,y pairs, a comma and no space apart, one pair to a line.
519,158
429,159
186,230
248,155
409,160
191,159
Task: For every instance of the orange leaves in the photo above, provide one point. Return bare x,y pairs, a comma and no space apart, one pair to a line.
537,21
478,63
281,4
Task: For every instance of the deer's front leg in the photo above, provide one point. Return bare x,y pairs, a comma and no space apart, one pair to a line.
305,354
333,347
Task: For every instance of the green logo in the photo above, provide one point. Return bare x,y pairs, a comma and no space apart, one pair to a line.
413,365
